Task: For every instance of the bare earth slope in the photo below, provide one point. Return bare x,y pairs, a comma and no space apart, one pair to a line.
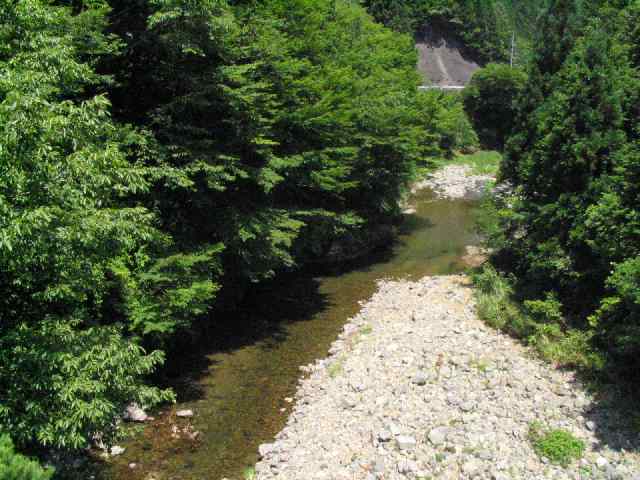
441,60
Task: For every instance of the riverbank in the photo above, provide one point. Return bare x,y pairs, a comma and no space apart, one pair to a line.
455,181
239,383
417,386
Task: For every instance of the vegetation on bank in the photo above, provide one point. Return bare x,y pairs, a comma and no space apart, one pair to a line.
558,446
565,269
14,466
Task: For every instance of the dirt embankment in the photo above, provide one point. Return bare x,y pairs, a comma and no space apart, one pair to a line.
443,61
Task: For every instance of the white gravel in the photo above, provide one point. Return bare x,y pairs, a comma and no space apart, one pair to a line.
456,182
418,387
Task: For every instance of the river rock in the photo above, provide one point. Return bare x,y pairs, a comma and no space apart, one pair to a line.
407,467
116,450
405,442
420,379
184,413
438,436
265,449
133,413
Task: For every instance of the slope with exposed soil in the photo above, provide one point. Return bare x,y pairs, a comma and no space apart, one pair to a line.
442,58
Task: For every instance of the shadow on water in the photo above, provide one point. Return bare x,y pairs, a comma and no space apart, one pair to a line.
239,383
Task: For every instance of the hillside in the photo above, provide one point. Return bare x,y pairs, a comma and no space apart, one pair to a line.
442,58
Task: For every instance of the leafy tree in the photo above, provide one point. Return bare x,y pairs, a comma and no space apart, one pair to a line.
66,369
278,128
489,100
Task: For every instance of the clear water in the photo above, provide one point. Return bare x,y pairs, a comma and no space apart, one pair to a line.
237,388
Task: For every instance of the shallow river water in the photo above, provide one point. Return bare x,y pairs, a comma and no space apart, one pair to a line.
239,391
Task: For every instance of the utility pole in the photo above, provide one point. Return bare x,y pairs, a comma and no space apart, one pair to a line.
513,47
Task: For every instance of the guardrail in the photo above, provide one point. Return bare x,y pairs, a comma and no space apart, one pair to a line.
441,87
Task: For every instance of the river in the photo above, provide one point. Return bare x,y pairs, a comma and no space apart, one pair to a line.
238,387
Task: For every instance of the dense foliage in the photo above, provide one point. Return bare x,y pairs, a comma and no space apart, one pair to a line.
572,238
158,156
489,99
14,466
65,228
487,27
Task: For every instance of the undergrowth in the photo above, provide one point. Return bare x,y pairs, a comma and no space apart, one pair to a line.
538,322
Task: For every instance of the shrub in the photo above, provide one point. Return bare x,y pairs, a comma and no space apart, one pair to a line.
559,446
538,322
14,466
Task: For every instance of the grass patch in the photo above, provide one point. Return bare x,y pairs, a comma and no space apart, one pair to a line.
366,330
539,323
559,446
481,163
336,368
249,473
481,365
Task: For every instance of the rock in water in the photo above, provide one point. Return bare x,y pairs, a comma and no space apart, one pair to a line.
184,413
116,450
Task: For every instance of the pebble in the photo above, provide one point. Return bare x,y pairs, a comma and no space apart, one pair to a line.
438,436
405,442
420,379
265,449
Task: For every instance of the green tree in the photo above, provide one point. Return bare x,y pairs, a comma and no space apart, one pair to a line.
489,99
67,370
14,466
574,160
278,128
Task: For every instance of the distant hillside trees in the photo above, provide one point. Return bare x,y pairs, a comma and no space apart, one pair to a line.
487,27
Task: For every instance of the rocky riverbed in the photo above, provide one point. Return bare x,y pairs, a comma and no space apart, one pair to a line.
418,387
455,181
